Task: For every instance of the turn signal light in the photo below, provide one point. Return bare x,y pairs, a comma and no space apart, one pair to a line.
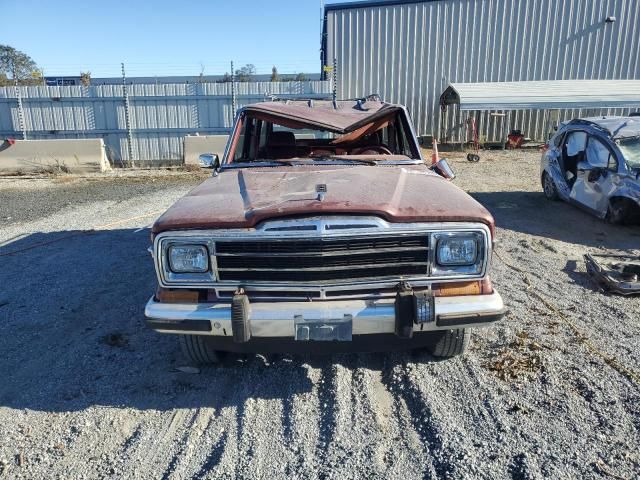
479,287
177,296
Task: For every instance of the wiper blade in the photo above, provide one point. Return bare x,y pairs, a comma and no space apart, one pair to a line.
346,161
260,163
412,161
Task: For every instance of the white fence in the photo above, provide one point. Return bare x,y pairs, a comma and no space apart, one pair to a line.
160,115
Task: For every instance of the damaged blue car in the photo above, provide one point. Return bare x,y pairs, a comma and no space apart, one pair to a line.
594,163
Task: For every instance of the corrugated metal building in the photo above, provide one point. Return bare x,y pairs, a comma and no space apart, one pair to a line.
409,51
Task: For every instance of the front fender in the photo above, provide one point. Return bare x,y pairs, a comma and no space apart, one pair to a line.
629,188
552,168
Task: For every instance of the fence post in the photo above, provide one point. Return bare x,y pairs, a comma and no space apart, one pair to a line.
22,124
127,118
335,80
233,95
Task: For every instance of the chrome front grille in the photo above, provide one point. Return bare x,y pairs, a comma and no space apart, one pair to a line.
316,257
323,260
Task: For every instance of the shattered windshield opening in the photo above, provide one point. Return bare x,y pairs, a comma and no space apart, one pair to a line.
630,148
268,141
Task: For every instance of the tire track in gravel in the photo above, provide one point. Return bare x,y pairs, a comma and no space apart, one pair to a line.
404,451
213,458
173,462
373,403
190,438
381,403
467,408
417,419
471,381
246,419
261,424
210,446
131,439
326,391
214,444
271,452
343,454
300,405
142,454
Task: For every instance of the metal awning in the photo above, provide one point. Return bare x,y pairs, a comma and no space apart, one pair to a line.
543,95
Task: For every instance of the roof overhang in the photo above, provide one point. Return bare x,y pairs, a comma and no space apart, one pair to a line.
543,95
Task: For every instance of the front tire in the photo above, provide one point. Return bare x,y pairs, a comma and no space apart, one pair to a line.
622,211
450,343
198,350
549,187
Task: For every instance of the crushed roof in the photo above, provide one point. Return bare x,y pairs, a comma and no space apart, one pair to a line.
340,116
618,127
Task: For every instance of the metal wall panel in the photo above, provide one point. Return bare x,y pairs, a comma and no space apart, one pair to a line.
160,114
409,52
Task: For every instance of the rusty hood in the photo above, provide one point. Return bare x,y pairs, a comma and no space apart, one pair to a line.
242,198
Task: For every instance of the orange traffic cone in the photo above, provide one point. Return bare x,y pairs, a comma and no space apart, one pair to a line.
435,158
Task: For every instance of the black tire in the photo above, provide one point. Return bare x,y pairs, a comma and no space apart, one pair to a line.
198,350
549,187
450,343
622,211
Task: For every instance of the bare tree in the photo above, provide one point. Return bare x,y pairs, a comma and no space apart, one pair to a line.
245,73
85,78
274,74
15,64
226,78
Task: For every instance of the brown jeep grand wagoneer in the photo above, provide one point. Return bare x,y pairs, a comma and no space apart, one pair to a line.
323,230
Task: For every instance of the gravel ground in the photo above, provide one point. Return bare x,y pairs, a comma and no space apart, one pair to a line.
87,392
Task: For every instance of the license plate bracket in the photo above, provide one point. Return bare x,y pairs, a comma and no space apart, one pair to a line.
323,330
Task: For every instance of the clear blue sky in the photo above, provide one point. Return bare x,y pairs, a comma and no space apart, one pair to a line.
163,37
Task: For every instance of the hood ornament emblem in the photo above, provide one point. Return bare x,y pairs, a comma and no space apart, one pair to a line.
321,190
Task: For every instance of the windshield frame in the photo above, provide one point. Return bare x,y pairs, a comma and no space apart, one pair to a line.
401,118
624,151
325,161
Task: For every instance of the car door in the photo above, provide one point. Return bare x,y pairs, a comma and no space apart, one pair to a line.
597,175
553,162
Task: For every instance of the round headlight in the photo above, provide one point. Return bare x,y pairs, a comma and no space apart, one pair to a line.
188,258
457,250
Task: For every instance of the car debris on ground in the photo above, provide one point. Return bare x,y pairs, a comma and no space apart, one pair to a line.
615,273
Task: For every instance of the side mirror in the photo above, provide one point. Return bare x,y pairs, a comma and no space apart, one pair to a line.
443,168
209,160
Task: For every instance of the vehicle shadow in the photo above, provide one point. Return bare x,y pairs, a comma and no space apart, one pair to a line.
72,334
532,213
578,277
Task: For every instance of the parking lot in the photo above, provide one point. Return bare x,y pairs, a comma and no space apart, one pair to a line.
88,392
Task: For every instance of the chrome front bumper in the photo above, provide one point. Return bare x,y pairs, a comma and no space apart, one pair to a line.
277,319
